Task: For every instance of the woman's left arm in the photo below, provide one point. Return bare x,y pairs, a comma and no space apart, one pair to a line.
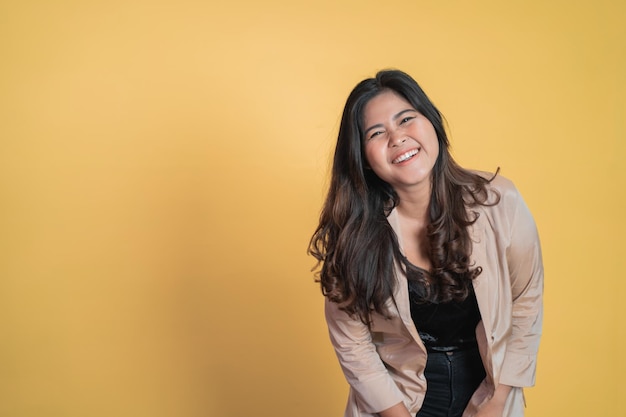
526,274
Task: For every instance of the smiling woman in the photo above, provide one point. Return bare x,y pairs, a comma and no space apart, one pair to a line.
432,273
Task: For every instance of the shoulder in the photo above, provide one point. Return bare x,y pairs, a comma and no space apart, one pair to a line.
500,186
504,203
498,182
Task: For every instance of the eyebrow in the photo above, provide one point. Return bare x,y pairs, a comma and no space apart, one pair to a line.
395,117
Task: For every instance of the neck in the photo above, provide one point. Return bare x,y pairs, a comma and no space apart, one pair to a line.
414,203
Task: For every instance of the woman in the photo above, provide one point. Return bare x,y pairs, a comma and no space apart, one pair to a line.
432,273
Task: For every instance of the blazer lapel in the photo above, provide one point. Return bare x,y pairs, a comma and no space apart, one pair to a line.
481,282
401,292
480,257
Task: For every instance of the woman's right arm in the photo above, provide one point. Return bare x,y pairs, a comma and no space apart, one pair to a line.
375,391
398,410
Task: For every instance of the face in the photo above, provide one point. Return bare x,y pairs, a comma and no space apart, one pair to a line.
401,145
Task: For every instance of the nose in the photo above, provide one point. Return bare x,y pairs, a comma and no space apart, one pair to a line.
396,139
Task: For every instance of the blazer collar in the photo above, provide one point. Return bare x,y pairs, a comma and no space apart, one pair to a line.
479,257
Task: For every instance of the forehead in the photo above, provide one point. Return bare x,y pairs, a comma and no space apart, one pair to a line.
383,106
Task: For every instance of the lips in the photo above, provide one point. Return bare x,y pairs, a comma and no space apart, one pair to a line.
405,156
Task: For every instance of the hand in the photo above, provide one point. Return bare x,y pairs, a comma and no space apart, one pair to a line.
398,410
495,406
491,409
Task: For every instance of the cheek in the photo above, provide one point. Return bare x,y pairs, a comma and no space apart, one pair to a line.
375,159
432,142
371,155
436,147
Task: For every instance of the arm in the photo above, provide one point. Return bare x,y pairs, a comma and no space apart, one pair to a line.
367,375
526,274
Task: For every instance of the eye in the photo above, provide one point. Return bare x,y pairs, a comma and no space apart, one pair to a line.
406,119
376,133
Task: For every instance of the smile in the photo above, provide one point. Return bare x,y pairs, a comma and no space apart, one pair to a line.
405,156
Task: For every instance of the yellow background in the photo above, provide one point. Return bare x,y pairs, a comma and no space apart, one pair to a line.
163,163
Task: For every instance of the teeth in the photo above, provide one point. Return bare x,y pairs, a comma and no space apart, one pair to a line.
405,156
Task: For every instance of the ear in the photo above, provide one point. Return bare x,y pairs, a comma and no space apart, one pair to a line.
366,164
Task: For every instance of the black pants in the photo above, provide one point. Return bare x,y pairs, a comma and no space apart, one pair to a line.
452,378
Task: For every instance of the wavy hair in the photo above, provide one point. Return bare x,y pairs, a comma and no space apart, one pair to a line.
356,246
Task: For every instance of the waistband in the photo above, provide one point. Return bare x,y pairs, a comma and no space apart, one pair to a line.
461,345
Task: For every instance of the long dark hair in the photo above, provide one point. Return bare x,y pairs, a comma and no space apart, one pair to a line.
354,243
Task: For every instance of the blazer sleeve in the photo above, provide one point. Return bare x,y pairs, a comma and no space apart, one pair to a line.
373,388
526,274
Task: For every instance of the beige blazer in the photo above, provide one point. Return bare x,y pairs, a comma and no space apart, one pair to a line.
385,365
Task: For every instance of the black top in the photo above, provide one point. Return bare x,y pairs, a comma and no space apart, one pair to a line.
444,326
